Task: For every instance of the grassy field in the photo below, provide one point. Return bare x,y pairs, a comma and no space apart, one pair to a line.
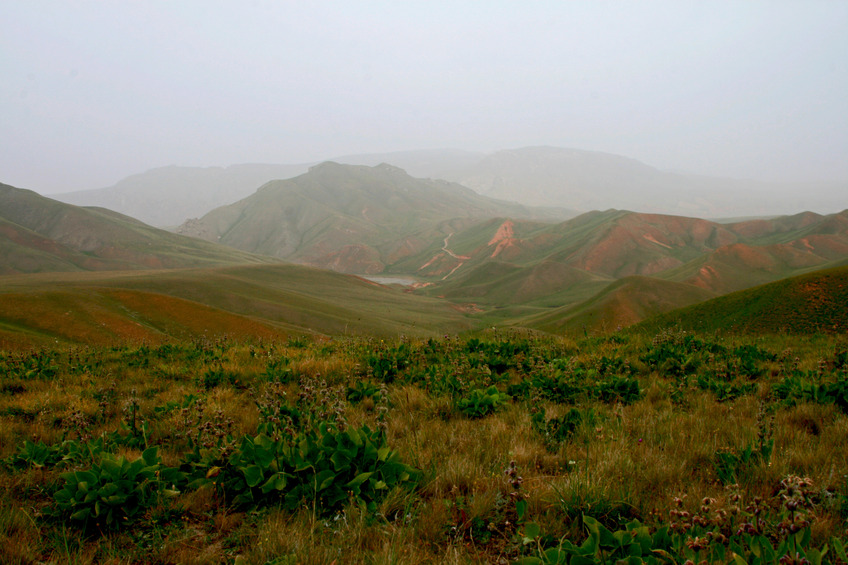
495,448
257,300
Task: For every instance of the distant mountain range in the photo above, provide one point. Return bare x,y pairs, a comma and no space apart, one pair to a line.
511,262
539,176
167,196
474,260
351,218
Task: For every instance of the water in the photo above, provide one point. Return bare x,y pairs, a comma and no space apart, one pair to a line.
404,281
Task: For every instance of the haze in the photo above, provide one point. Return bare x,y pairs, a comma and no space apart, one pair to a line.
96,91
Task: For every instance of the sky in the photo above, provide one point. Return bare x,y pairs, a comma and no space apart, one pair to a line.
94,91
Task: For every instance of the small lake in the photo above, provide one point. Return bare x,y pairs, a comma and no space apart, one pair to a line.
405,281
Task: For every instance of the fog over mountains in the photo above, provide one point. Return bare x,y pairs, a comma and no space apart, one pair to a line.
467,258
572,179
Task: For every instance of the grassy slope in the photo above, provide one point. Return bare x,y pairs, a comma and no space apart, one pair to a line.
98,307
39,234
620,304
815,302
101,316
628,458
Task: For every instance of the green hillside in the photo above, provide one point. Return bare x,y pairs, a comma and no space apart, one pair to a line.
38,234
813,303
245,300
621,304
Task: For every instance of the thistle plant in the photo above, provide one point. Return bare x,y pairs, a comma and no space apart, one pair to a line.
79,423
519,498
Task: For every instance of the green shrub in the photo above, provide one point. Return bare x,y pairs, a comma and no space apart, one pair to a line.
115,491
322,468
480,403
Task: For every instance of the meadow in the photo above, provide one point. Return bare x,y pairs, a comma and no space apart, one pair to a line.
497,447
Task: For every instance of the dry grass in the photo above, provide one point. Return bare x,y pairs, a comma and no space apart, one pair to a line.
628,463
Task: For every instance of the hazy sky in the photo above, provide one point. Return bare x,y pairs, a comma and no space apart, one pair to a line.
95,91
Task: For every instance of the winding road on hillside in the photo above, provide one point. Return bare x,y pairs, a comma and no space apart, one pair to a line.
461,258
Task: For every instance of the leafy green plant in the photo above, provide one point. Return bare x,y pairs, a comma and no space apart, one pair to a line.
795,388
387,363
278,370
36,455
64,454
633,544
732,465
115,490
724,391
40,364
321,468
480,403
556,430
775,531
169,407
361,390
217,376
618,389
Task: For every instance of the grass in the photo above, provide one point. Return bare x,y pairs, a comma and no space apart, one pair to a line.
627,461
816,302
97,308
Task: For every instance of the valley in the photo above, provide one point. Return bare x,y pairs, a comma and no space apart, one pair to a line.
357,365
462,260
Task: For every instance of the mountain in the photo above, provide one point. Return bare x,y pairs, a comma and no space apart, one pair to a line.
767,250
353,219
39,234
816,302
255,301
422,163
535,176
553,275
591,180
167,196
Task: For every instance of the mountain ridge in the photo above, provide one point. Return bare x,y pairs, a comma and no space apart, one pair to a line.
38,233
543,176
349,218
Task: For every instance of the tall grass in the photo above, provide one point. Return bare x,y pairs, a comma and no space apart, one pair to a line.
626,459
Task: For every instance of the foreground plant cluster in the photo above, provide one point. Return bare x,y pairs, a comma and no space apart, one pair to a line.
498,448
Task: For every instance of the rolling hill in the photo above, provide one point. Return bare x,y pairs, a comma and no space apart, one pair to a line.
38,234
816,302
538,272
262,301
621,304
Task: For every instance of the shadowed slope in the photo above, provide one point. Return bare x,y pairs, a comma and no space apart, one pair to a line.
621,304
